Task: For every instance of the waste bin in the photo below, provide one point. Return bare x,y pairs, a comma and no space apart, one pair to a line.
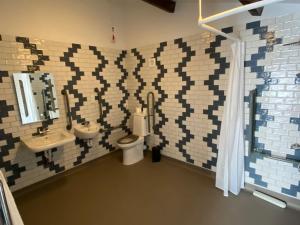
156,154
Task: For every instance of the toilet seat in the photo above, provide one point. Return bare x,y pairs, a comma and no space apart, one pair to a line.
128,139
132,142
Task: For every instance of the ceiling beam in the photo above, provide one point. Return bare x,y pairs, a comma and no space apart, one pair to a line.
253,12
166,5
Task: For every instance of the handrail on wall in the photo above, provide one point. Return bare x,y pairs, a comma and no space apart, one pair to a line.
252,110
252,124
99,101
203,21
69,121
152,113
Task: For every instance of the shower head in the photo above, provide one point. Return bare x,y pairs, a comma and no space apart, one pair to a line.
297,43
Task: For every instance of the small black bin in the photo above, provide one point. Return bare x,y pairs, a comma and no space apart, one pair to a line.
156,154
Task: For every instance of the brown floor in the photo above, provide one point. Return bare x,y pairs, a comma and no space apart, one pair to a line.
104,192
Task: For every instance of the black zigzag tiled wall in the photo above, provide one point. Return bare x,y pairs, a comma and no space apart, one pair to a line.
189,82
271,68
78,69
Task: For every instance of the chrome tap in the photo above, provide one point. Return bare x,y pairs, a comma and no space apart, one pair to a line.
43,131
86,123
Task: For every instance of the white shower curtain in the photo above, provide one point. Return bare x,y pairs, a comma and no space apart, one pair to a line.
230,162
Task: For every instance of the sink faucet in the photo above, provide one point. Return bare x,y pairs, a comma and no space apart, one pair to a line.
86,123
43,131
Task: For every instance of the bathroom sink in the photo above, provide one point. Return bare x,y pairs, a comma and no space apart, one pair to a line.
86,131
48,141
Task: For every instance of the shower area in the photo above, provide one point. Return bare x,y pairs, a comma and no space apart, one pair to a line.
270,76
273,114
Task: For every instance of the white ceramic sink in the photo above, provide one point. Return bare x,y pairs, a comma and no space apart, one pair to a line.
86,131
48,141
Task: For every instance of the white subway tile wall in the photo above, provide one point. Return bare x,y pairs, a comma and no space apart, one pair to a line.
189,80
76,68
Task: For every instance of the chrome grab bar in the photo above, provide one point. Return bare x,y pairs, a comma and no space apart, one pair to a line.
252,111
69,124
152,113
99,102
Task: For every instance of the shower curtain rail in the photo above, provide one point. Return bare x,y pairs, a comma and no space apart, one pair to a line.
203,21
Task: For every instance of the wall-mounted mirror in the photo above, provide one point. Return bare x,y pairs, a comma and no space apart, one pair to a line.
36,96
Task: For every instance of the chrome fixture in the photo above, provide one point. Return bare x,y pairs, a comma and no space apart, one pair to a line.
42,131
99,101
86,123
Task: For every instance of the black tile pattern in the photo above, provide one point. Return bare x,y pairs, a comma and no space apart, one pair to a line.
35,66
105,105
264,34
264,117
4,109
212,86
33,51
124,90
83,144
139,78
188,110
11,141
43,161
9,166
161,97
2,75
70,87
295,120
48,90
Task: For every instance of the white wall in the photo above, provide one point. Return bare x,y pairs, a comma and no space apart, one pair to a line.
146,24
137,23
79,21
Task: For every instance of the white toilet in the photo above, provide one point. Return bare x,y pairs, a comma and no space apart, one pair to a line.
133,145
